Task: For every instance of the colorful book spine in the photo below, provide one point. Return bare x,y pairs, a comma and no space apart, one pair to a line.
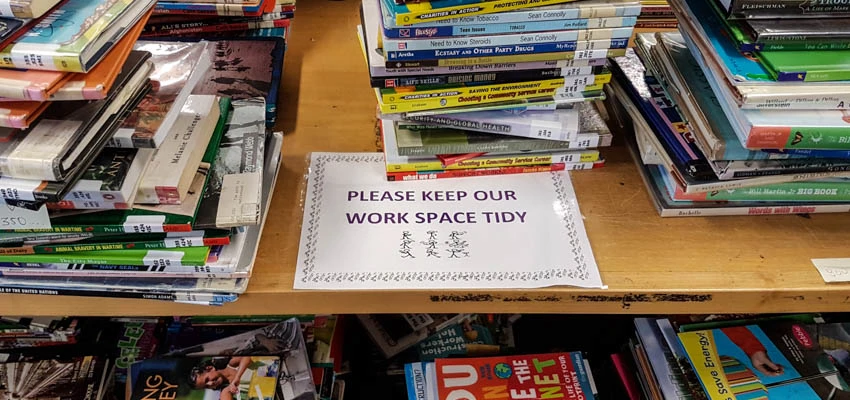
198,240
449,101
478,42
233,10
791,137
561,12
401,95
812,191
507,50
508,27
417,13
174,257
188,28
571,67
519,58
123,271
485,78
569,158
205,298
757,9
463,173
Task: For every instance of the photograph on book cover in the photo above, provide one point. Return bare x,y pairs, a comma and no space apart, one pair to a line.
362,232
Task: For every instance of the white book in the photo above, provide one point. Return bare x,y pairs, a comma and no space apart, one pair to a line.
167,179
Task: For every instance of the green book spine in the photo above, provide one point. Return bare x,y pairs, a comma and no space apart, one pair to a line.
805,46
202,239
796,191
190,256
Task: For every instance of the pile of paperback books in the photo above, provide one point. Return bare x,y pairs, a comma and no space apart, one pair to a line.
733,117
133,168
474,87
210,19
655,16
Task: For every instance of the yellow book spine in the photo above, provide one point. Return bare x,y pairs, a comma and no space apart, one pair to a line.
404,97
492,162
420,13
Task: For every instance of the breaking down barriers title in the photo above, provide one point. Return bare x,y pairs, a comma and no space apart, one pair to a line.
434,217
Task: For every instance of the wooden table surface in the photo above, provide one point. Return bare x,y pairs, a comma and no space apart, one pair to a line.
651,265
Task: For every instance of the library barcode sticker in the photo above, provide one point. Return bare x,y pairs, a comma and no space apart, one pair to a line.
833,269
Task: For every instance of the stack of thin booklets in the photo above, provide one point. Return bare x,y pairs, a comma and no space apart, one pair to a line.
471,87
724,126
220,18
144,173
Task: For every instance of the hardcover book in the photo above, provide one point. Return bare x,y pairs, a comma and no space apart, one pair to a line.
89,29
178,68
167,179
776,9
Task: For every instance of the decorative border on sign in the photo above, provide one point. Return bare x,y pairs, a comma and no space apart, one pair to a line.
567,209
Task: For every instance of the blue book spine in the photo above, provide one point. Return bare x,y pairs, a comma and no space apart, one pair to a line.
520,27
791,76
582,374
491,51
211,8
834,154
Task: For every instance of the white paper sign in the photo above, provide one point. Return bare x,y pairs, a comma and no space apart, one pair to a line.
833,269
511,231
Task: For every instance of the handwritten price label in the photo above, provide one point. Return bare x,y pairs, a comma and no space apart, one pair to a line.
12,217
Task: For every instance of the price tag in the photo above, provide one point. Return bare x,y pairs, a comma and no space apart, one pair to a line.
144,224
12,217
546,130
159,258
591,54
175,242
6,9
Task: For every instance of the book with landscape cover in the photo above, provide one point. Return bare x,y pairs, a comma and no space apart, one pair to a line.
88,29
232,196
245,68
178,67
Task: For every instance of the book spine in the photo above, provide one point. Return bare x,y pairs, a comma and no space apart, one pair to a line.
516,27
402,96
389,73
211,298
224,10
751,169
584,141
506,50
762,181
826,75
575,11
128,227
520,58
445,103
814,45
462,173
127,271
496,6
766,210
477,42
563,130
483,78
779,137
588,156
150,258
813,101
802,153
756,9
202,27
790,192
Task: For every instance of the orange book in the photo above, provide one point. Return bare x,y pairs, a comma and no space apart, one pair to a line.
20,114
95,85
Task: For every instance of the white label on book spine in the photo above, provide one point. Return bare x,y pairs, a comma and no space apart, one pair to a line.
86,190
144,224
160,258
591,54
188,241
833,269
240,199
6,9
12,217
18,189
550,130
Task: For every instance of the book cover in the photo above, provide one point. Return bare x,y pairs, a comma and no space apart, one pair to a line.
232,196
59,379
538,376
246,68
473,336
222,377
167,178
111,179
776,360
75,36
283,339
26,8
178,68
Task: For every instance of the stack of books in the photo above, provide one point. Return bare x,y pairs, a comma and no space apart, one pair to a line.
655,16
724,128
212,18
481,88
138,169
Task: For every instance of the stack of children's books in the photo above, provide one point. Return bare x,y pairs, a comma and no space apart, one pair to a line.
219,18
474,87
133,168
731,117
